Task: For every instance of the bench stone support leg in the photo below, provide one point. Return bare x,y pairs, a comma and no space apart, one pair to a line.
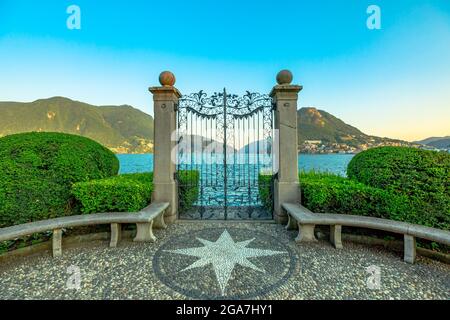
292,224
116,234
335,236
305,233
159,221
57,243
410,248
144,232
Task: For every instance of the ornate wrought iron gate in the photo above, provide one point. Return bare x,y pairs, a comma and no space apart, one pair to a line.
224,145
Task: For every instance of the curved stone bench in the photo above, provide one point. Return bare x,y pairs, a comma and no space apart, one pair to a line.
145,220
305,220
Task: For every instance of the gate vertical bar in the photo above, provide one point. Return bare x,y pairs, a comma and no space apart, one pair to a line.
225,153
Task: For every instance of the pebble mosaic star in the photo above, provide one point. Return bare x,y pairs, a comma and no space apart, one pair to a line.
224,255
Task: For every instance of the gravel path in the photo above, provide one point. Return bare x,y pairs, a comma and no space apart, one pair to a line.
284,270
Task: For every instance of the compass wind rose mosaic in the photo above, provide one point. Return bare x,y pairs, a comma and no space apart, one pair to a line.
223,263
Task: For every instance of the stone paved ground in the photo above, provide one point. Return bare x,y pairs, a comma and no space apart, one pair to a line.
271,266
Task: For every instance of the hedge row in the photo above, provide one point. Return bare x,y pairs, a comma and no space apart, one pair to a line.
123,193
189,181
265,190
325,192
130,192
37,171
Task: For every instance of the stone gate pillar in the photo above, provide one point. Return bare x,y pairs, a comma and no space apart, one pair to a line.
165,101
286,184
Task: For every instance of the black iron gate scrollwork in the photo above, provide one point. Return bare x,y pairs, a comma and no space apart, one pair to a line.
224,164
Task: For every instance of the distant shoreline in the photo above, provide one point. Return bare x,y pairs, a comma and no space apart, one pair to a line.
315,154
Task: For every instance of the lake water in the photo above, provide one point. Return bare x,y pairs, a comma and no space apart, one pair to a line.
336,163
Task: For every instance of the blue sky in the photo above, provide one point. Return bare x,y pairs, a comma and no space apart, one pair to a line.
391,82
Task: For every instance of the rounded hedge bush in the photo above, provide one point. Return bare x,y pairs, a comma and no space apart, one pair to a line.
37,171
423,176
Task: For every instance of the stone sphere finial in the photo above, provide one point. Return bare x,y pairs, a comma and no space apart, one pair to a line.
167,79
284,77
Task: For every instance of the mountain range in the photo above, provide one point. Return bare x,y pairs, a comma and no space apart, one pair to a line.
125,129
436,142
315,124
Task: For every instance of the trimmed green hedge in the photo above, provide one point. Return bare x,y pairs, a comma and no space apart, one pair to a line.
130,192
123,193
325,192
265,190
37,171
423,176
189,181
